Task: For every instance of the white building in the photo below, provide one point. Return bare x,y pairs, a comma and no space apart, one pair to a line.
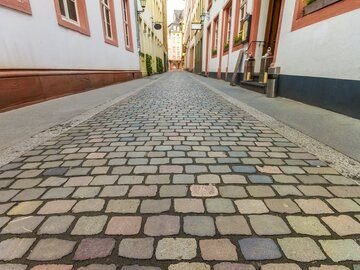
314,47
193,38
175,41
53,48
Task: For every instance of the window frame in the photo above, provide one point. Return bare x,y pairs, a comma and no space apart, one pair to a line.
82,25
24,6
127,25
300,20
111,7
240,18
215,37
227,23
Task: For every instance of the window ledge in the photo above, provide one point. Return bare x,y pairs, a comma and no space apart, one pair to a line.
317,5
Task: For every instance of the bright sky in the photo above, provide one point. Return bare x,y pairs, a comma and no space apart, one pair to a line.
171,6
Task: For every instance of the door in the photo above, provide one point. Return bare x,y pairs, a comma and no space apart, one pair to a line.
272,25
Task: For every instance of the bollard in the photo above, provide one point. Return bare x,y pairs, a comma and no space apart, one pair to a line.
271,87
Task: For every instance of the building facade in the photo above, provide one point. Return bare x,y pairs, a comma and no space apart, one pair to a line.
193,38
153,41
57,47
312,45
175,41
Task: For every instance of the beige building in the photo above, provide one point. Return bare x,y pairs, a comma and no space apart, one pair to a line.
194,17
175,41
152,36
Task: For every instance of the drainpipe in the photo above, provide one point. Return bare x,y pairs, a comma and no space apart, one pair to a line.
136,5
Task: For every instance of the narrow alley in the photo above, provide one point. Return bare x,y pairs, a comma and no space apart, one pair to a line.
175,177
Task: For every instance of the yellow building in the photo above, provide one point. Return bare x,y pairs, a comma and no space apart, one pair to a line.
152,36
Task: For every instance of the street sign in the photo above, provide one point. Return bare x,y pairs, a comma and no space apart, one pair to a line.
157,26
196,26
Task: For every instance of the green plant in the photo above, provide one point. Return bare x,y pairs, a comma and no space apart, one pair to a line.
226,47
159,65
308,2
238,39
214,51
149,64
141,54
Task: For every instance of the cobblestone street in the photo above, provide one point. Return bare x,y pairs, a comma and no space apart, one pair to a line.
176,178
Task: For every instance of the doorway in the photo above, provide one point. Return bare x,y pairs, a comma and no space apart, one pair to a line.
272,24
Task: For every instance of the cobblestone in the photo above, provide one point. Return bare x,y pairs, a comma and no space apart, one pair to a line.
176,178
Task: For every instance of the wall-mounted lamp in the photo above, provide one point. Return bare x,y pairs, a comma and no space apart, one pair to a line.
143,5
204,16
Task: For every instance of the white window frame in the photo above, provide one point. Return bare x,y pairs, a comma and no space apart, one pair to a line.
67,16
105,7
126,23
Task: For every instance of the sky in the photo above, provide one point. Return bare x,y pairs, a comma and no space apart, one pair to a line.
171,6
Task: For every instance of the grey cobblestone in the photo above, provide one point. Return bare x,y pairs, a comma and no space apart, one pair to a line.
176,178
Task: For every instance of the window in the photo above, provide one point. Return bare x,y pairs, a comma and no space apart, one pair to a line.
335,8
127,26
215,36
72,14
20,5
109,22
240,17
209,4
68,10
227,26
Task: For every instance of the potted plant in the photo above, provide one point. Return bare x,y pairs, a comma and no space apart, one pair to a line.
226,47
315,5
238,39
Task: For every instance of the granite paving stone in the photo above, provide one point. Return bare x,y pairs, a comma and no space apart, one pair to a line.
218,250
8,266
301,249
251,206
22,225
51,249
341,250
122,206
344,205
343,225
24,208
56,225
219,205
92,248
232,225
86,192
114,191
203,191
268,225
56,207
314,206
87,225
282,206
162,225
280,266
176,249
98,267
233,266
14,248
155,206
189,206
308,225
199,225
89,205
137,248
124,225
255,249
189,266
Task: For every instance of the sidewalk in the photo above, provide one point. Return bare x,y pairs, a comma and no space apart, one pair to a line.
340,132
21,124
